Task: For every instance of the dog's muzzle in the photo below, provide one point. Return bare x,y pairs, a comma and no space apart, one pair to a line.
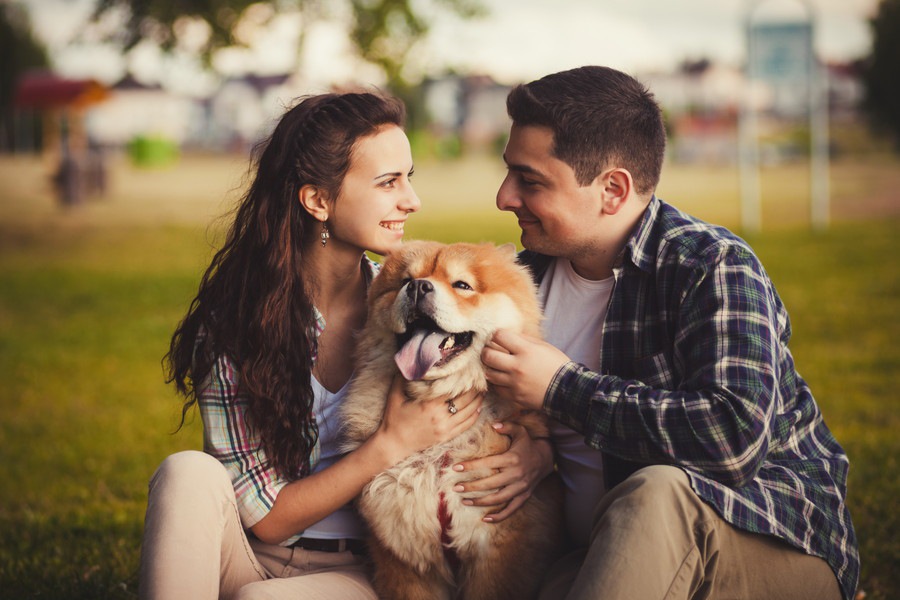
424,344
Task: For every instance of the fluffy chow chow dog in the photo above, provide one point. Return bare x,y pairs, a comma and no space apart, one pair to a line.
432,309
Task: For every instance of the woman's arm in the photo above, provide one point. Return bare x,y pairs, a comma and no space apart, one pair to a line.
406,428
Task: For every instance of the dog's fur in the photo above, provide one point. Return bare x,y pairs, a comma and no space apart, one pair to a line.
424,284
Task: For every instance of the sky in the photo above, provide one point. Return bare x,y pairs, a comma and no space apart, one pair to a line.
518,40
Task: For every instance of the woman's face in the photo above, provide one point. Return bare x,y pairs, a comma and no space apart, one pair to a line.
376,195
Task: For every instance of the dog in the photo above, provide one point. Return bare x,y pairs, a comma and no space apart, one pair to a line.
432,309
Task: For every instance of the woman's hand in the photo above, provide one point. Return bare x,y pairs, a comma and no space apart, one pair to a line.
408,427
517,472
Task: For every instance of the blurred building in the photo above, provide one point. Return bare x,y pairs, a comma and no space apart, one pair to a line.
701,101
134,109
845,90
471,108
244,109
241,111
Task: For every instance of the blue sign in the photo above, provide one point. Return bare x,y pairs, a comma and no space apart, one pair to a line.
781,52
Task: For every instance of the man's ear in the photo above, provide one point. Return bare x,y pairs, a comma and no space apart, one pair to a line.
617,187
314,202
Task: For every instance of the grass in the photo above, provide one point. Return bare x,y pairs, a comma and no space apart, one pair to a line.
86,414
842,290
88,300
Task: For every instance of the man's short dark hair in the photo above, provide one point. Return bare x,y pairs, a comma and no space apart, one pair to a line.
600,118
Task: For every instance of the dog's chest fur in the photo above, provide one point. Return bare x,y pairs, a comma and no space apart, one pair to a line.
406,499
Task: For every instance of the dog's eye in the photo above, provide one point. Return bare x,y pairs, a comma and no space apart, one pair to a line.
462,285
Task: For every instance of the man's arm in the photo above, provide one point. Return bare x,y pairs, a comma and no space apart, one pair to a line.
716,417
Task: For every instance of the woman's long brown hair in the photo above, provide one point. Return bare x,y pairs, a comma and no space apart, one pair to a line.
252,305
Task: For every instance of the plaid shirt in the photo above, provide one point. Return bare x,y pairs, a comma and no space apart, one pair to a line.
226,435
696,372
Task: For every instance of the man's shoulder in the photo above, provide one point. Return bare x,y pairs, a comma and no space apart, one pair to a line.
691,237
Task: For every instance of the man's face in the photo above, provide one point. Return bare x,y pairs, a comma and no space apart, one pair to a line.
554,212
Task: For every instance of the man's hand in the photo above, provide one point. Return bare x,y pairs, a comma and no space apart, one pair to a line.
521,367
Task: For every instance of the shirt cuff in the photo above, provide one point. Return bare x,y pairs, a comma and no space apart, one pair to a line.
568,397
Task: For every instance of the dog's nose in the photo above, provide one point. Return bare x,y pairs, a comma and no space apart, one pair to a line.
418,288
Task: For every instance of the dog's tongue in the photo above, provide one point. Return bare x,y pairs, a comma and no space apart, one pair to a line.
419,354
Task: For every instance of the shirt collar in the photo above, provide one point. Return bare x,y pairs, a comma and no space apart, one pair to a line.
639,248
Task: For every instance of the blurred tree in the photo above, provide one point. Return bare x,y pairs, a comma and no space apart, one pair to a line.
881,70
383,31
19,52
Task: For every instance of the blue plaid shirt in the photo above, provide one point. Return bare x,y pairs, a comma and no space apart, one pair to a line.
696,372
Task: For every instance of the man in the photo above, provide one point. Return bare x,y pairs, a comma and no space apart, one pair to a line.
696,461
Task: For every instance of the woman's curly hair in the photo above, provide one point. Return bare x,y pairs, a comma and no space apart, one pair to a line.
252,305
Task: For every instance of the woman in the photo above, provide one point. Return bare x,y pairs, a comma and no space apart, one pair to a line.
265,352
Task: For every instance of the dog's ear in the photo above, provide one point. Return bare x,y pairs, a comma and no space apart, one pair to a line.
508,249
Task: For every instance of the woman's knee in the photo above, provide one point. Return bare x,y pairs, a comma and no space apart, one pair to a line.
257,590
187,471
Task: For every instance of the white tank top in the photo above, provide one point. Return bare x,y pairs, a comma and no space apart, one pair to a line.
574,312
344,522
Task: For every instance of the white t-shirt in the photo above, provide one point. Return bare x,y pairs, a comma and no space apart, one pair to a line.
574,312
344,522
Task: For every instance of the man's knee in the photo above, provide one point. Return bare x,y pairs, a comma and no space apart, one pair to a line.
655,493
653,483
651,518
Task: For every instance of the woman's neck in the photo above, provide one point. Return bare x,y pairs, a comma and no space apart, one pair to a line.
334,277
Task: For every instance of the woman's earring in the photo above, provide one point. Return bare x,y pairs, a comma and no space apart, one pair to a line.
325,235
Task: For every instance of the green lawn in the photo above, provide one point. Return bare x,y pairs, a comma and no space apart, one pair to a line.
87,307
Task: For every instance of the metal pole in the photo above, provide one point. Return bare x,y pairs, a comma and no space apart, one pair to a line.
751,202
819,185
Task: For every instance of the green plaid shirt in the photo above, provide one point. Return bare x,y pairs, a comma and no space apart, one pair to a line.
228,437
696,372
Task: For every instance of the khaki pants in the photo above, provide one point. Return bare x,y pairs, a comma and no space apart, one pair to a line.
653,538
195,548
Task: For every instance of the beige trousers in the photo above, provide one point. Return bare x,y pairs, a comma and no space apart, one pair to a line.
653,539
195,548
